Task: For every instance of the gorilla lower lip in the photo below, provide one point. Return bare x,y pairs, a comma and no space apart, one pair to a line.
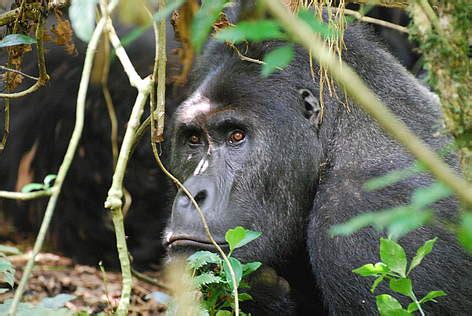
194,243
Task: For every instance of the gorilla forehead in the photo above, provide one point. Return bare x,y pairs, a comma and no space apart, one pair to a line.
229,81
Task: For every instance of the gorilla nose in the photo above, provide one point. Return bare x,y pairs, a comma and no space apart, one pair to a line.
202,189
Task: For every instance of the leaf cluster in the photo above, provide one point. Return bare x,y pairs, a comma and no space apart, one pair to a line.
212,276
394,269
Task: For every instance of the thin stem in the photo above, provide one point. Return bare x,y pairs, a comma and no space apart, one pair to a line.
148,279
63,169
6,124
115,194
18,72
368,101
161,90
25,196
108,99
120,52
371,20
417,303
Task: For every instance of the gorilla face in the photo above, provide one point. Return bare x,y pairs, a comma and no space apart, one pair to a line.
247,149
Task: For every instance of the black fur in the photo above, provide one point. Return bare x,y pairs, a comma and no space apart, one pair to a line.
293,179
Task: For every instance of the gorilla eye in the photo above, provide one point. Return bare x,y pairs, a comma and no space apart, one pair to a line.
194,140
236,137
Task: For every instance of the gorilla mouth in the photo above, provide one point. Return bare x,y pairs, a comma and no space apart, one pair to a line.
187,241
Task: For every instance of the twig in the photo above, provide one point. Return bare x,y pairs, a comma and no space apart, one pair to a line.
108,100
115,193
371,20
18,72
384,3
368,101
147,279
63,169
159,65
160,70
25,196
6,124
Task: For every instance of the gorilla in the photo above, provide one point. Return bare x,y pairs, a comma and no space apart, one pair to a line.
41,125
261,153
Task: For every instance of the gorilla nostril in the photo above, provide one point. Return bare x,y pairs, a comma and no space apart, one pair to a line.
200,197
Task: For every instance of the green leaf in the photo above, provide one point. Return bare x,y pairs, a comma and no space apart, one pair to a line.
402,286
32,187
406,221
412,307
254,31
239,236
431,296
393,255
206,278
8,250
223,312
49,180
371,270
398,221
279,57
203,21
391,178
421,253
354,224
237,269
250,267
82,17
389,306
464,233
16,39
425,196
376,283
57,301
308,16
244,297
202,258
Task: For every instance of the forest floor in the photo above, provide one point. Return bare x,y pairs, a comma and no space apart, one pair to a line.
95,291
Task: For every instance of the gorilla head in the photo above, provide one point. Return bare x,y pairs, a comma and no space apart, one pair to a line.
261,153
249,152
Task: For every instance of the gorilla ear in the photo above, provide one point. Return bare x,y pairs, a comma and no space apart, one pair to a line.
312,108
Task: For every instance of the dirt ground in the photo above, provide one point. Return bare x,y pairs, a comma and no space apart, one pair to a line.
95,291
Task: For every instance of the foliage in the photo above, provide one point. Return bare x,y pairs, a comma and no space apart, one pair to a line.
393,268
212,277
